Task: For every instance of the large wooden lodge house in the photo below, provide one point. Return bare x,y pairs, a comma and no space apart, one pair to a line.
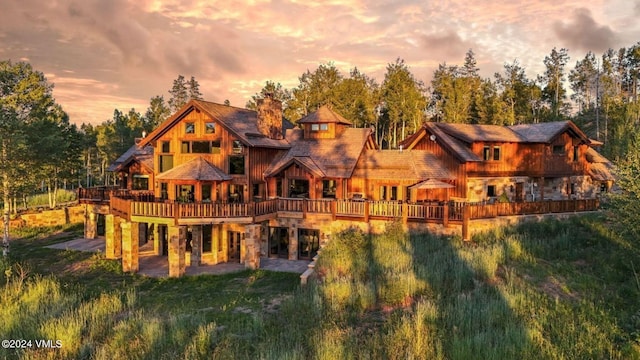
216,183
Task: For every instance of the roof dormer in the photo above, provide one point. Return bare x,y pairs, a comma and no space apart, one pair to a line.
324,123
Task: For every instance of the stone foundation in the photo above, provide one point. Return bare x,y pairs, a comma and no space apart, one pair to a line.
130,246
177,249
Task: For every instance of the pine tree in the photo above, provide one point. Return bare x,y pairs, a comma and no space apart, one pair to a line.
179,94
194,89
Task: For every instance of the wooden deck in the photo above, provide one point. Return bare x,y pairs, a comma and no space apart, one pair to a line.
142,205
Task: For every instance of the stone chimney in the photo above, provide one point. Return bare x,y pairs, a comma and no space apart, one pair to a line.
270,117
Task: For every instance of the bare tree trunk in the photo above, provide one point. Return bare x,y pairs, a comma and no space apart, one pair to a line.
49,194
5,198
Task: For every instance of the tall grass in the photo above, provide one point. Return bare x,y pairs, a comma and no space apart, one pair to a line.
555,290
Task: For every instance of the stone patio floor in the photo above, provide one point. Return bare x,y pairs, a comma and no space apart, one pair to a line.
158,266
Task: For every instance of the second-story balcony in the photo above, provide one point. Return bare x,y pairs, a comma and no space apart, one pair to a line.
141,206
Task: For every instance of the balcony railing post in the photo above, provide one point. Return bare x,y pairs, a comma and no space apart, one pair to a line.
465,222
445,215
366,211
304,208
405,212
334,205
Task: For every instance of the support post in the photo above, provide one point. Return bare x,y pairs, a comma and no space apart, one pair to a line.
293,244
130,246
177,248
252,246
113,237
91,223
196,245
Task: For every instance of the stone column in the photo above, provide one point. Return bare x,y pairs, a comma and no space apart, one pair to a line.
196,245
252,246
293,243
130,246
157,240
113,235
90,224
177,247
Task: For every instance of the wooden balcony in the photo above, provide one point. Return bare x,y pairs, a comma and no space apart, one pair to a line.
142,205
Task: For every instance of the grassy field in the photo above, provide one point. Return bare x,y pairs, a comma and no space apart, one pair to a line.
554,290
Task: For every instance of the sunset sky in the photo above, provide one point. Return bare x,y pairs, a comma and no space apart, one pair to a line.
108,54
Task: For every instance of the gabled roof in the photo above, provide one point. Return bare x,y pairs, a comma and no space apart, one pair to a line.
394,164
332,158
472,132
144,155
546,132
324,115
456,137
197,169
600,168
242,123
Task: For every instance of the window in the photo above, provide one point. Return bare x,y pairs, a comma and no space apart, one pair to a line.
236,165
383,192
140,182
576,154
185,147
394,193
237,147
319,127
185,193
215,147
279,187
491,191
496,153
201,147
486,153
165,163
164,191
189,128
329,189
603,187
206,238
573,189
407,193
308,243
165,146
206,192
558,149
210,128
256,192
279,242
299,188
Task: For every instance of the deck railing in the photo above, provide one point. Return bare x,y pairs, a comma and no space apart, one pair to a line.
128,204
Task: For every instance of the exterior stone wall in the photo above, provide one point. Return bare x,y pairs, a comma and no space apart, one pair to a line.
558,188
65,216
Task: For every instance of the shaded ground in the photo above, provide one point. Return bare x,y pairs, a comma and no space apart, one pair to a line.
158,266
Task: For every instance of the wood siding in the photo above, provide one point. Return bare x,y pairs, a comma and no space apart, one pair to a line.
457,168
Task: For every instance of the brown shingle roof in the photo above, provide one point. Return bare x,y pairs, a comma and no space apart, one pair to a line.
546,132
324,115
242,123
333,158
471,132
394,164
144,155
197,169
458,149
600,168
